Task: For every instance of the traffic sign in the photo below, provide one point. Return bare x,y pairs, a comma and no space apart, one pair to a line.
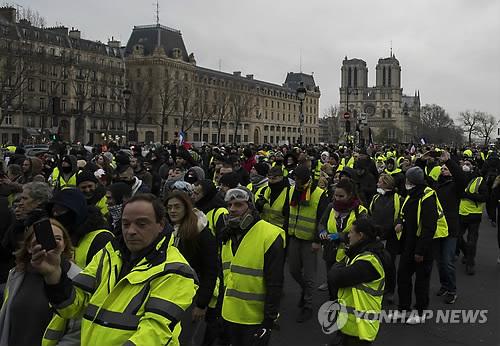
347,115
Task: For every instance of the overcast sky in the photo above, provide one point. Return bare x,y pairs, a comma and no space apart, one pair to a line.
448,49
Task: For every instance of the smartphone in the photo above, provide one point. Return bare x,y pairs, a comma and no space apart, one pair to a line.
44,234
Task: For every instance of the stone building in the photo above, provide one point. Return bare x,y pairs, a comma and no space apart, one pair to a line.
54,82
171,93
391,115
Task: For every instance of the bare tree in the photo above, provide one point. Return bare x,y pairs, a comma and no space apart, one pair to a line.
221,111
486,125
168,98
202,111
331,117
16,69
436,124
242,104
141,103
32,16
185,95
470,122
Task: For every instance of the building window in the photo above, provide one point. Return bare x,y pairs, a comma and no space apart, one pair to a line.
205,137
63,106
265,139
64,89
214,138
43,85
138,72
383,76
389,113
383,113
245,138
8,118
42,103
389,78
196,137
231,137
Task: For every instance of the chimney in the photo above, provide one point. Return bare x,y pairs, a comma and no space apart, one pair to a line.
237,73
61,30
250,76
74,33
8,13
114,43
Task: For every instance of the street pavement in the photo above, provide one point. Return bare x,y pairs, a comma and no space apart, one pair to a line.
478,292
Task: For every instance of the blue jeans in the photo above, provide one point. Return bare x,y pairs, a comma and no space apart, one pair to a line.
446,264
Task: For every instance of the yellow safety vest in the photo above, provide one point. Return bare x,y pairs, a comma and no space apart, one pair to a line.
395,171
213,217
103,205
142,308
441,226
471,207
362,303
302,220
331,227
250,187
273,213
58,181
81,251
349,163
397,204
317,170
245,292
434,173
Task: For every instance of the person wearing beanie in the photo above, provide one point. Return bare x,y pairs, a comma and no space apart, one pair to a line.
194,175
250,243
249,159
64,175
307,203
363,269
94,193
228,181
417,226
140,171
258,176
397,174
207,199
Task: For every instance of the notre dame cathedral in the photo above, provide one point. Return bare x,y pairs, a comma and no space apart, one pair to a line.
390,115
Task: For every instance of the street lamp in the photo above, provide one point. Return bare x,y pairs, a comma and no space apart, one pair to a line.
301,95
126,96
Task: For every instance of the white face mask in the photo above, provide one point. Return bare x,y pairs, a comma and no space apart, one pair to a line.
380,190
466,168
409,186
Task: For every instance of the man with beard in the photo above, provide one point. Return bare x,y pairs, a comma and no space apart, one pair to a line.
95,194
140,172
271,200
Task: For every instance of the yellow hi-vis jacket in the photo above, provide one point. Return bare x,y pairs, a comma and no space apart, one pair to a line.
442,224
362,303
273,213
245,293
302,219
142,308
471,207
331,227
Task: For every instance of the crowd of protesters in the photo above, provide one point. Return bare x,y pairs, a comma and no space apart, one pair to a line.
183,245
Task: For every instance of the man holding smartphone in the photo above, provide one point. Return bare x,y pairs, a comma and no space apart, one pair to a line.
146,306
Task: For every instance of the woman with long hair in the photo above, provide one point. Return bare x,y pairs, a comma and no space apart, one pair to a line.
337,221
197,244
26,312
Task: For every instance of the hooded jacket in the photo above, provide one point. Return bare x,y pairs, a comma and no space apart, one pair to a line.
201,254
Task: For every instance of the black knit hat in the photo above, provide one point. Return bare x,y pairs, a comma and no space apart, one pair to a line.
86,176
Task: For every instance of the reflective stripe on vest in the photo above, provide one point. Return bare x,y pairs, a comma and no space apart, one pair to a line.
273,213
244,274
331,227
468,206
302,223
81,251
441,226
213,217
363,302
434,173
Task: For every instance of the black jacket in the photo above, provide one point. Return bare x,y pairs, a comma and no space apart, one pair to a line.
411,244
449,191
382,214
359,272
